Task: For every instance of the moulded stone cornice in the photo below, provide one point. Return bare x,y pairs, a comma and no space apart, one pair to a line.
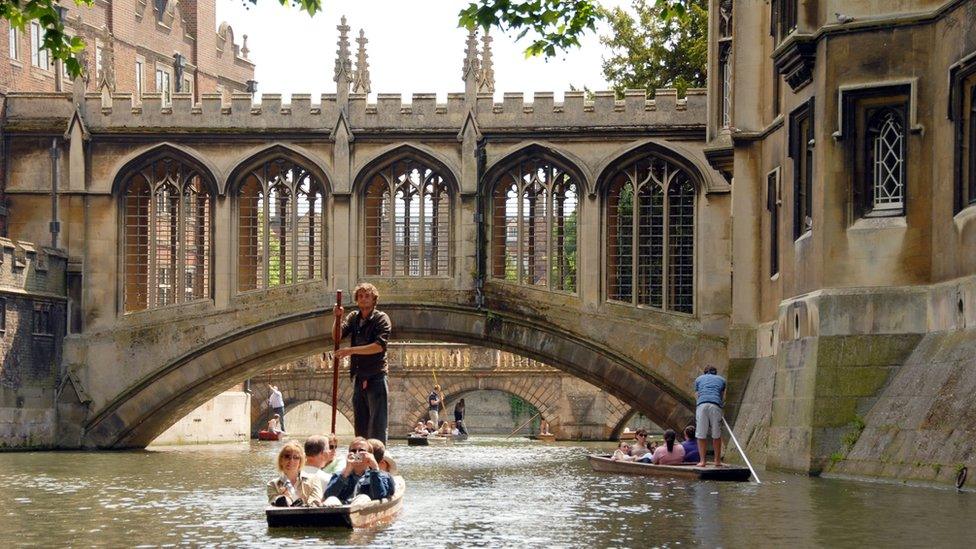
795,59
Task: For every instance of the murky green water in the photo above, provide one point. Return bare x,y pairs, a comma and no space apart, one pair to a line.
487,493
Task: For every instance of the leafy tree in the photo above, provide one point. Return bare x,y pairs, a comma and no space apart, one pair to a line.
665,46
557,24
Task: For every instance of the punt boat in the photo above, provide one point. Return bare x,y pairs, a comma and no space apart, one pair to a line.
604,464
269,435
359,516
427,440
544,438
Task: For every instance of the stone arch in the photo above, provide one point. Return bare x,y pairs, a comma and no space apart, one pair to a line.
130,163
294,153
400,151
294,394
559,156
144,409
530,389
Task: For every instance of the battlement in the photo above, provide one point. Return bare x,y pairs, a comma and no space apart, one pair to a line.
122,113
32,269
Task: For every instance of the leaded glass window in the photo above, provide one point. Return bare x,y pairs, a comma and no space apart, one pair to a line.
407,221
166,235
886,157
280,225
651,235
534,225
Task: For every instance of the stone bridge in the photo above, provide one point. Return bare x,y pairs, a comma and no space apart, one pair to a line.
206,239
575,409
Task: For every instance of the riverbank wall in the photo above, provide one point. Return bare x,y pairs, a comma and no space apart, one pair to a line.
868,383
226,418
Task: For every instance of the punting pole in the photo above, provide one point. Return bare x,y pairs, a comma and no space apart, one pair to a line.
742,453
336,335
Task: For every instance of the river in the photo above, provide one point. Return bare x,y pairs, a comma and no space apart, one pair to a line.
486,492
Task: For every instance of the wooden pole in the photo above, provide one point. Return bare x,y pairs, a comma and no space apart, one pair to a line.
524,424
739,448
336,335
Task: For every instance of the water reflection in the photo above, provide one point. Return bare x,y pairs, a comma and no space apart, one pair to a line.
487,492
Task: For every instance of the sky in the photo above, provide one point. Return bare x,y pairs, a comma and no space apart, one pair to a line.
414,47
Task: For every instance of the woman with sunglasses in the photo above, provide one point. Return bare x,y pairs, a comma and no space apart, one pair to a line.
293,487
640,445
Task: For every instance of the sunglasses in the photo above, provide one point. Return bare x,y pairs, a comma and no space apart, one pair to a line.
331,447
360,451
291,456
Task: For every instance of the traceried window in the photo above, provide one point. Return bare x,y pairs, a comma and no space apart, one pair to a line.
725,63
407,207
534,225
801,151
651,235
970,180
166,240
886,159
782,19
39,55
281,226
772,206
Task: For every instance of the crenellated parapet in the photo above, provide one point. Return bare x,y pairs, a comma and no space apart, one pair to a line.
121,112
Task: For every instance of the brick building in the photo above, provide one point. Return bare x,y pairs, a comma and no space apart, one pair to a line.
162,46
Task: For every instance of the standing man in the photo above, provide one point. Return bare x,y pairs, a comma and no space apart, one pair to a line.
710,394
277,405
434,405
369,331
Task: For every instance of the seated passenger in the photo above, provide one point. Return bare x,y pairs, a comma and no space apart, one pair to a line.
334,463
420,429
360,478
293,487
430,427
274,423
315,449
640,446
669,453
622,453
690,445
385,462
445,430
544,428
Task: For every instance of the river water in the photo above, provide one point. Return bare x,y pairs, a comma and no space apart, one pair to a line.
485,492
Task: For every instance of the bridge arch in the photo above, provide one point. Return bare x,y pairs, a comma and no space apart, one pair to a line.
530,389
295,395
144,409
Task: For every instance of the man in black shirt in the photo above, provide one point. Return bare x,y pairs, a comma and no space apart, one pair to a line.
369,331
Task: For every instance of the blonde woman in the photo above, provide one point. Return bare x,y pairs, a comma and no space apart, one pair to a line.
293,487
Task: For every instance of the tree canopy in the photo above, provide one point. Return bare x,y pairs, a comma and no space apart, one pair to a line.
664,46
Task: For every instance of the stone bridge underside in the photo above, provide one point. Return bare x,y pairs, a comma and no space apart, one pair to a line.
574,409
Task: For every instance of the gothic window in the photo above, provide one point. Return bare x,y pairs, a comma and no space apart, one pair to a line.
801,151
651,235
166,236
970,181
782,19
725,71
772,206
407,221
962,111
886,159
534,225
725,19
280,226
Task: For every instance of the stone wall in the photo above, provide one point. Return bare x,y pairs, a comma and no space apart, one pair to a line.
226,418
32,326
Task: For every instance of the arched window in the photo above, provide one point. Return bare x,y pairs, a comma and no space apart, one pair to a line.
407,213
886,156
166,235
651,236
281,226
534,225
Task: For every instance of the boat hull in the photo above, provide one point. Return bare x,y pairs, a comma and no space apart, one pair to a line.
357,517
544,438
604,464
268,435
427,441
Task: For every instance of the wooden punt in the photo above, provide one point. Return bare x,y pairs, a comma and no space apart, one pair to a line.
368,515
628,435
269,435
604,464
544,438
427,441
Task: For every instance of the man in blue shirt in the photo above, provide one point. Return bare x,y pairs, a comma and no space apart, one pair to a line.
710,395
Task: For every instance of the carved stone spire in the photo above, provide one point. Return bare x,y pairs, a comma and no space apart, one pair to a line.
486,80
343,64
471,69
360,80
